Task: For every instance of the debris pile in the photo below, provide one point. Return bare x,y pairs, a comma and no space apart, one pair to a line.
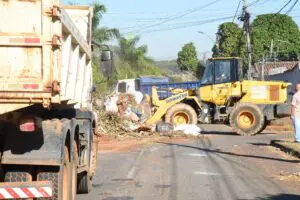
166,129
110,123
120,116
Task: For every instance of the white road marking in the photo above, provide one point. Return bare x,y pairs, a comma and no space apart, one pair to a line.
207,173
153,149
132,171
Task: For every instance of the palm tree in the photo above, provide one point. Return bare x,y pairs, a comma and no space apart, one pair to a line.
131,53
102,34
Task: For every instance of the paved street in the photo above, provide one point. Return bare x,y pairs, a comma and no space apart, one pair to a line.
212,167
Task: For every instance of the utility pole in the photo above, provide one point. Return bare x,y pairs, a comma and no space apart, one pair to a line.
262,69
246,19
271,49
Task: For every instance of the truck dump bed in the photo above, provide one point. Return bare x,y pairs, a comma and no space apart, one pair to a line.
45,54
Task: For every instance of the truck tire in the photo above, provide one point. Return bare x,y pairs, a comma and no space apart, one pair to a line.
17,174
73,176
93,154
181,114
247,119
59,176
84,183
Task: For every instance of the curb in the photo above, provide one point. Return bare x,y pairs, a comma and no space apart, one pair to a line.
284,148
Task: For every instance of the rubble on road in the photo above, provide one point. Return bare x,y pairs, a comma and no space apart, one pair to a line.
120,116
166,129
189,129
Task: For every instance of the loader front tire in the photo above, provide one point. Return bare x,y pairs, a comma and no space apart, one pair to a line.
247,119
181,114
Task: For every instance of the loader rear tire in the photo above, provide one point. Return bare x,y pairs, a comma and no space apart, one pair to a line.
181,114
59,176
247,119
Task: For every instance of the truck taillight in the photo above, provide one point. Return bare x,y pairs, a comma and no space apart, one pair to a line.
30,86
27,124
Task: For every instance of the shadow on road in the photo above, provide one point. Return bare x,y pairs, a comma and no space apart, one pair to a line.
230,153
277,197
204,132
259,144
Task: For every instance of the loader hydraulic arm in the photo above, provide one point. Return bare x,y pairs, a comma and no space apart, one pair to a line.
161,106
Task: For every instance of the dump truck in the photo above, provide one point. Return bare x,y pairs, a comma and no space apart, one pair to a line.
47,124
143,85
224,97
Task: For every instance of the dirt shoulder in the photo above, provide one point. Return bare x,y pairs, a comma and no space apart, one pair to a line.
114,144
281,167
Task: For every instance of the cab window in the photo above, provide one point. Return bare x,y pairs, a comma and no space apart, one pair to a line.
207,78
222,71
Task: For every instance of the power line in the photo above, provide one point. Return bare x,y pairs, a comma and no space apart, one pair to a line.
187,12
254,2
237,10
179,22
192,24
292,7
289,1
258,1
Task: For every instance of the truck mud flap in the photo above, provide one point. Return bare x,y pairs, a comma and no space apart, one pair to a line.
43,147
25,190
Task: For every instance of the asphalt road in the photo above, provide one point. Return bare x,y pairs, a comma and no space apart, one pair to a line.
216,167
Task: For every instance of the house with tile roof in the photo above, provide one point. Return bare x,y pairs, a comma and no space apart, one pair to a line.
288,71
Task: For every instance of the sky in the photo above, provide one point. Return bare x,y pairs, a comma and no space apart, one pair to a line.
166,25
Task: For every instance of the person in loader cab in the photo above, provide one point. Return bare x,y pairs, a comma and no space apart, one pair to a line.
295,114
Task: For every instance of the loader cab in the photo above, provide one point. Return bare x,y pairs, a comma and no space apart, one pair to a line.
221,70
220,80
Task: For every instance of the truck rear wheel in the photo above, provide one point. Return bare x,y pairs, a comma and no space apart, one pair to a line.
74,165
59,177
247,119
84,184
17,174
181,114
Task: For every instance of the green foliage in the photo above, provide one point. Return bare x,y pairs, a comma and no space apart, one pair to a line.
230,41
187,58
132,54
279,28
104,34
98,11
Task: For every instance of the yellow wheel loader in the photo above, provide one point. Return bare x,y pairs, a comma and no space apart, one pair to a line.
224,97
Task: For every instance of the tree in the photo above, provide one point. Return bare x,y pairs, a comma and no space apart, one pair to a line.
102,34
187,58
131,53
282,30
230,41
